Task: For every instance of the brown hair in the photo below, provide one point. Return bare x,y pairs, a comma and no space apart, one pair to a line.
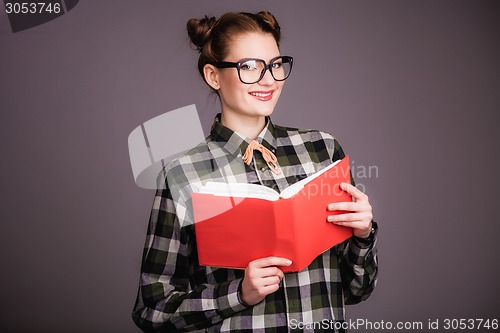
212,37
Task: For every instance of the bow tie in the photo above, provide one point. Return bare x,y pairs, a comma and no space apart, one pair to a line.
269,157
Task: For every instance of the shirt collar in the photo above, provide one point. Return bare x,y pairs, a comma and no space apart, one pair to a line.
236,143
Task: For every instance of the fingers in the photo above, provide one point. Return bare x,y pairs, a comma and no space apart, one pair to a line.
360,222
267,267
358,214
270,261
261,273
271,280
360,219
350,217
351,207
360,205
360,228
354,191
262,277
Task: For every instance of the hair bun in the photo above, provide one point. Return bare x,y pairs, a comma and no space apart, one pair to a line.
270,20
199,30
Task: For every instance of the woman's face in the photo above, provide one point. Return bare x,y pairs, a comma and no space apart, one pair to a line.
249,100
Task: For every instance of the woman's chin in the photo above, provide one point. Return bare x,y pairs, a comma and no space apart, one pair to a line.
265,109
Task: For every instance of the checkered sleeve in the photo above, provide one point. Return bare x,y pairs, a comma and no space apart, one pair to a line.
359,270
173,296
358,264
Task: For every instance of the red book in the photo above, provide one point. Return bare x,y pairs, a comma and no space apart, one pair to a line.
238,223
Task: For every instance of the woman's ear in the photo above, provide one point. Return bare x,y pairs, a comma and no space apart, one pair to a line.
211,74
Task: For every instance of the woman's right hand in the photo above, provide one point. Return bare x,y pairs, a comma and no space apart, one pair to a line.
262,277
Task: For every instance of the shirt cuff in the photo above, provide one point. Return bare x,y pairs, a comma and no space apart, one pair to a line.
368,241
228,300
358,251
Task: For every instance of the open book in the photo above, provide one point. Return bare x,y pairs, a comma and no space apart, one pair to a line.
237,223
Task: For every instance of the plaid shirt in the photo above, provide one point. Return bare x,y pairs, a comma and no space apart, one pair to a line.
178,295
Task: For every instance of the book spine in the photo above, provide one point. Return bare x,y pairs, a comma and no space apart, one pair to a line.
298,239
286,233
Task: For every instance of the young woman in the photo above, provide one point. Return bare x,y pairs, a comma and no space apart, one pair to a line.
240,60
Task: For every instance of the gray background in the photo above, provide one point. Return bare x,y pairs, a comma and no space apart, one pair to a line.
411,87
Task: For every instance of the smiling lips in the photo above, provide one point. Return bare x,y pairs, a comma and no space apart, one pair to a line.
262,95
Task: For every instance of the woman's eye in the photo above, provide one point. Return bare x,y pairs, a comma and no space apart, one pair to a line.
277,65
248,66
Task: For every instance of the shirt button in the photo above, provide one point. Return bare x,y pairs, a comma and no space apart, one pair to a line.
263,169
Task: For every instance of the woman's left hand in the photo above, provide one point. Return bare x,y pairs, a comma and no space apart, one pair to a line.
359,212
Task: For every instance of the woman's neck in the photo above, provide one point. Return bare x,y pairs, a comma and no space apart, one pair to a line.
249,127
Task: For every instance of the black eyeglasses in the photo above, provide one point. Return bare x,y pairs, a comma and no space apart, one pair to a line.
252,70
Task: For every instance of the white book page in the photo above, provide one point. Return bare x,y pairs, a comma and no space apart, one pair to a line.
240,190
243,190
293,189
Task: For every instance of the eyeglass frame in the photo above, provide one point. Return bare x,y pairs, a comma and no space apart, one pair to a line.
237,65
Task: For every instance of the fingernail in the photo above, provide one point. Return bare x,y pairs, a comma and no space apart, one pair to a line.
331,206
288,262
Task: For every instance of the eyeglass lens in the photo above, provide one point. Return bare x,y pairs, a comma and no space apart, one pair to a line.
252,70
